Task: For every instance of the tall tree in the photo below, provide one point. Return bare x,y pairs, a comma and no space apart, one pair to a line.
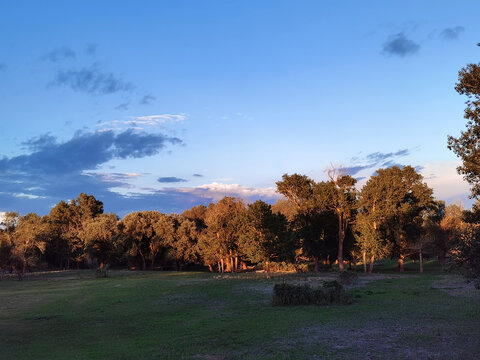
7,230
29,241
185,242
221,238
265,236
404,196
311,220
467,145
343,202
97,235
146,234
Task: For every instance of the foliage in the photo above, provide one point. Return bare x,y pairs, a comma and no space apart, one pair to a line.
394,201
264,236
347,278
466,252
331,293
467,145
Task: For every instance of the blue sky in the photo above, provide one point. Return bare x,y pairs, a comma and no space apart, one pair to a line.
169,104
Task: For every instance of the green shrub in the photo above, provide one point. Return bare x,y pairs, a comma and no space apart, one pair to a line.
332,292
347,278
102,272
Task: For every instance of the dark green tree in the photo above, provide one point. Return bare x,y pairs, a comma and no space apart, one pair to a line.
467,145
265,236
400,196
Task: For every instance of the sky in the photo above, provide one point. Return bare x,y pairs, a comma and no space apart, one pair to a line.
163,105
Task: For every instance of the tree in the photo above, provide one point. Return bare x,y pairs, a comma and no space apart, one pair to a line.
399,196
29,242
97,235
265,236
429,228
185,242
220,241
343,202
7,229
450,227
466,252
312,220
369,241
467,145
145,235
65,223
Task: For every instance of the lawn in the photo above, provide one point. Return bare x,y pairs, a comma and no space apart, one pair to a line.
169,315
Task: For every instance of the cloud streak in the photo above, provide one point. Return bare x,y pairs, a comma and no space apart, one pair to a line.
170,179
59,54
452,33
92,80
376,159
215,191
399,45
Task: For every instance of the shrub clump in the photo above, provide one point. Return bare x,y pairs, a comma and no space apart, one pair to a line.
347,278
332,292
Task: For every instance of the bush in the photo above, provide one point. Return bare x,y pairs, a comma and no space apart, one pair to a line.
284,267
102,271
332,292
465,254
347,278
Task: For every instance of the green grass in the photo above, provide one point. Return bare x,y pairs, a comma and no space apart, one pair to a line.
159,315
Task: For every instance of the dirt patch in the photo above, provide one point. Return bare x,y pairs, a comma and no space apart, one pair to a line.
456,285
378,340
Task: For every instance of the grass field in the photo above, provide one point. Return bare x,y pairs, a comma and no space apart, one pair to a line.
167,315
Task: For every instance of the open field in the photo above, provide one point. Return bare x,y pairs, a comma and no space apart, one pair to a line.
167,315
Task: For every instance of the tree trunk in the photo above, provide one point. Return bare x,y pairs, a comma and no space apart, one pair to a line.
221,262
372,259
210,267
219,267
236,263
364,255
341,238
420,259
144,265
400,263
316,265
268,270
152,263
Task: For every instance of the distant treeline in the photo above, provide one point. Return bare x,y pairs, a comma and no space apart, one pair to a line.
322,223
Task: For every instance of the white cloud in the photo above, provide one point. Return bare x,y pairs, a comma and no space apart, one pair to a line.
28,196
155,120
217,191
446,183
137,122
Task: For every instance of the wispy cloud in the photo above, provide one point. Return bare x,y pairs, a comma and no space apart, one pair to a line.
59,54
170,179
155,120
122,106
452,33
91,49
215,191
139,122
92,80
446,182
400,45
147,99
374,160
197,175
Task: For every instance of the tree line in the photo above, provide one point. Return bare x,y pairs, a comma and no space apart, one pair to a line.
327,222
